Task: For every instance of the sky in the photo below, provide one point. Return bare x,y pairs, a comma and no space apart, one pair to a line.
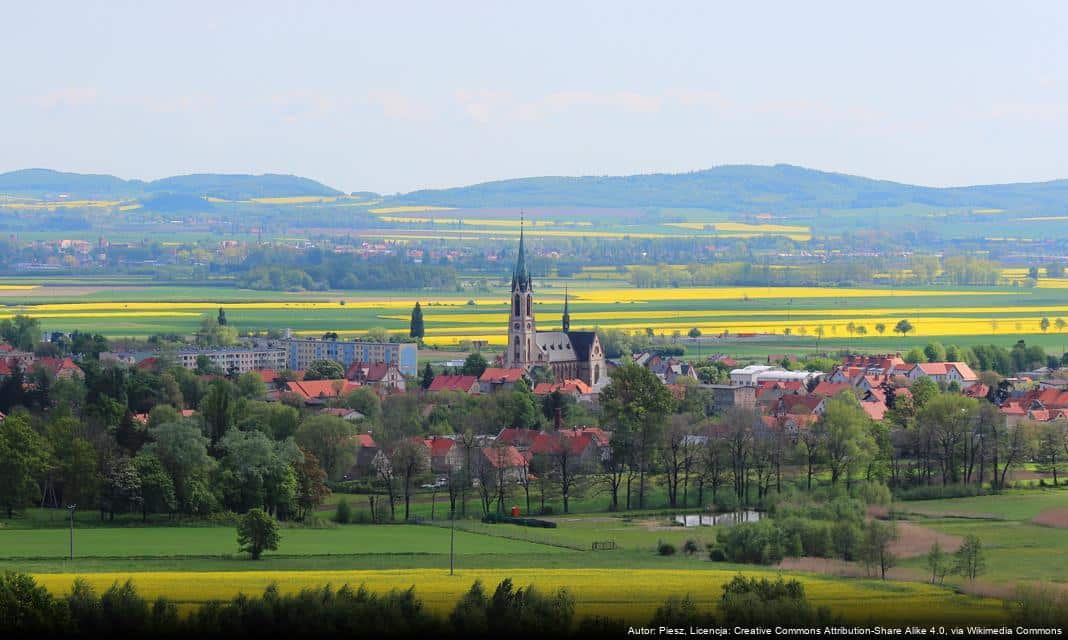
397,96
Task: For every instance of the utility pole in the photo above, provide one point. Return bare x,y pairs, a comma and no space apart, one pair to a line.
71,508
452,540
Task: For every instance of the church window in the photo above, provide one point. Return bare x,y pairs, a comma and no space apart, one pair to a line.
515,305
596,373
528,306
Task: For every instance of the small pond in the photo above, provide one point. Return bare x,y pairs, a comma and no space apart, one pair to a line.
718,519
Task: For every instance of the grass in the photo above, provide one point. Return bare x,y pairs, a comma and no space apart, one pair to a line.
1016,549
116,542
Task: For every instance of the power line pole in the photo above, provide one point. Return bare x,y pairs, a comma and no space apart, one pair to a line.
71,508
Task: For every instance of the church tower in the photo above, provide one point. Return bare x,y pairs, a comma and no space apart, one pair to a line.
566,323
522,342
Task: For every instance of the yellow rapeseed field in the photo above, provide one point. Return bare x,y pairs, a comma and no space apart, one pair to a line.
631,594
18,287
755,293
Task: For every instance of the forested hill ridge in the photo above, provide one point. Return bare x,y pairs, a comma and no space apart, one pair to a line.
742,188
780,188
51,184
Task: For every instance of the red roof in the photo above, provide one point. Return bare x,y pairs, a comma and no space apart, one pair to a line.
829,389
6,366
148,364
366,440
875,410
504,457
550,443
791,403
514,436
453,383
498,375
321,388
440,446
6,347
571,386
267,375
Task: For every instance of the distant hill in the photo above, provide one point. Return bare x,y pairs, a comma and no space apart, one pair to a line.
48,183
740,188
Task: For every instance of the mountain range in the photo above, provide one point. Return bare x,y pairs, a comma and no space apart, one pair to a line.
732,188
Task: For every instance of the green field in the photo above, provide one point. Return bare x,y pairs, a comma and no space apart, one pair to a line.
133,307
1017,550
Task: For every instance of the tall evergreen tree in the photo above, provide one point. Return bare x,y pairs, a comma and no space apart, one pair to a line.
416,329
428,376
222,317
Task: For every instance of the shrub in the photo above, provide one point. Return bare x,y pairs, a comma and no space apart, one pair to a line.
716,554
680,613
690,547
846,538
749,602
752,542
874,493
665,549
344,512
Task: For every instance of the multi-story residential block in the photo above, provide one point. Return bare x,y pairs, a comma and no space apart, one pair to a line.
302,352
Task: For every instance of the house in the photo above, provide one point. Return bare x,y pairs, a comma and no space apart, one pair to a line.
319,391
380,375
498,378
725,396
61,367
753,374
351,415
829,389
366,450
446,455
944,373
506,460
573,387
463,384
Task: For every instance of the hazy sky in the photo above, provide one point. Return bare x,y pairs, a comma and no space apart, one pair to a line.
394,96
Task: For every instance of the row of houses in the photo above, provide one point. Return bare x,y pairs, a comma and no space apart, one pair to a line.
495,379
512,451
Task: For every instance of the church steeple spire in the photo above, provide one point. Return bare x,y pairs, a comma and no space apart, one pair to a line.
567,316
520,276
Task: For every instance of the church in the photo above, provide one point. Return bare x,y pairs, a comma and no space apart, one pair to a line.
568,354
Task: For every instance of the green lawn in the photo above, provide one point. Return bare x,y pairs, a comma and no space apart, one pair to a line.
1016,549
221,541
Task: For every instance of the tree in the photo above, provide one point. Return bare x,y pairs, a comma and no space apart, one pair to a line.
311,485
222,317
183,451
428,377
415,328
846,436
903,327
257,532
217,408
1060,324
875,547
934,352
694,333
21,332
635,404
915,355
24,457
880,327
938,563
1044,325
970,558
410,460
251,385
324,370
157,487
474,365
329,439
